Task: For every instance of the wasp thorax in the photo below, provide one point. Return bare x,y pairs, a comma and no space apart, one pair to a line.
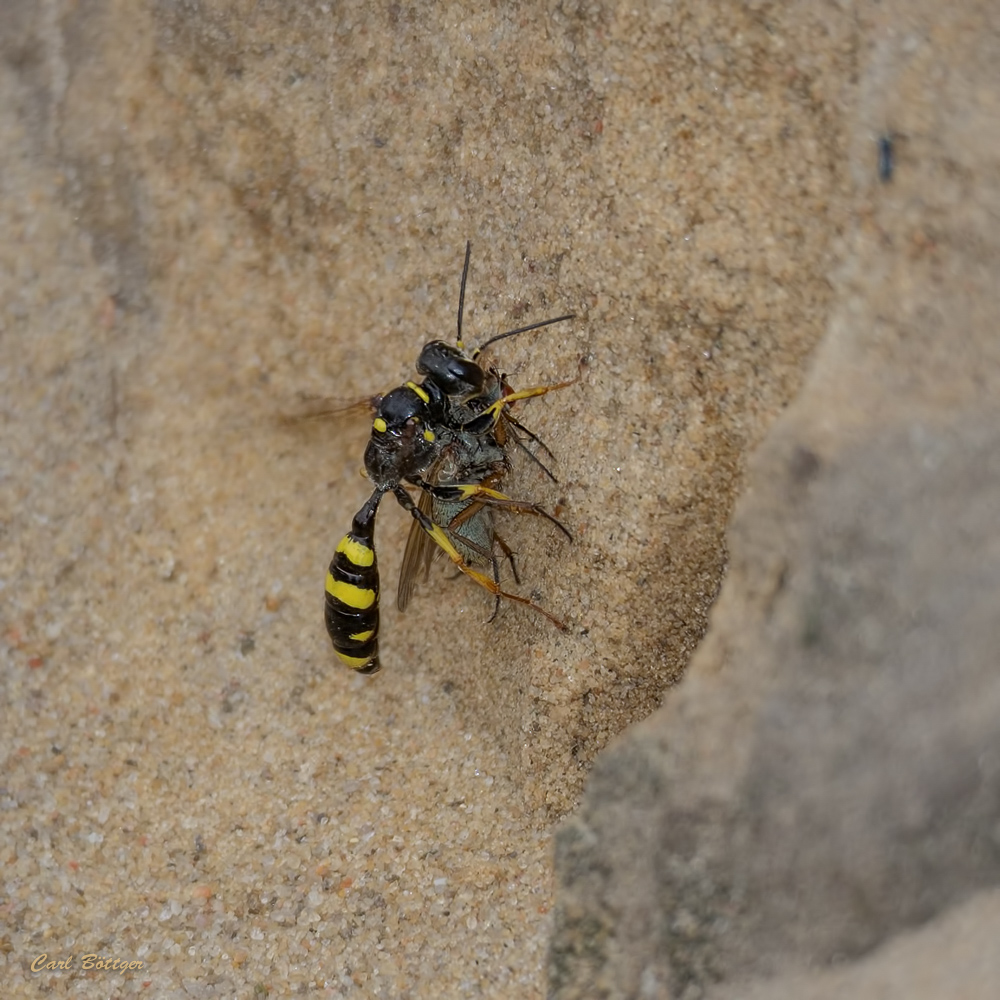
449,369
403,442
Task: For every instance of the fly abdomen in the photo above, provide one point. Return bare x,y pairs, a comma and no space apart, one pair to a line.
352,593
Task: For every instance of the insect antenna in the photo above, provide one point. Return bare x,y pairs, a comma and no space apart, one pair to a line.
521,329
461,293
500,336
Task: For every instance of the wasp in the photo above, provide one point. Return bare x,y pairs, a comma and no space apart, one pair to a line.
450,437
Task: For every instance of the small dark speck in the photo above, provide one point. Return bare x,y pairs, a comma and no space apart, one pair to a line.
246,645
885,162
812,626
804,464
380,142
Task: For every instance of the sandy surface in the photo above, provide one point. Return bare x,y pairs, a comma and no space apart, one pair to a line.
203,216
182,785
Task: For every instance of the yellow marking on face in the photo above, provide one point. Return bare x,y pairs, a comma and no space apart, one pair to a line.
354,597
379,425
428,435
357,553
419,390
354,662
362,636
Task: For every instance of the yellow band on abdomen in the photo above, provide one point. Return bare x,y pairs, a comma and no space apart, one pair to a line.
357,552
354,597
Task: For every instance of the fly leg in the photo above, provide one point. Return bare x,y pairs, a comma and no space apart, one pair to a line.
439,536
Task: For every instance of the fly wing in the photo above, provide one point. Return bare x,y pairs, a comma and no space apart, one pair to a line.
420,550
317,408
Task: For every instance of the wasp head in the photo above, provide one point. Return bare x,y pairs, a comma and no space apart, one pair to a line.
403,442
450,370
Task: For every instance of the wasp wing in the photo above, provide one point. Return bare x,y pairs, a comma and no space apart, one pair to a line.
420,550
316,408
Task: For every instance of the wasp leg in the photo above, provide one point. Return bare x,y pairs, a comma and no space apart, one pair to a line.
459,519
534,458
468,512
441,538
529,393
494,498
531,436
486,555
505,548
509,555
496,597
456,523
519,427
490,417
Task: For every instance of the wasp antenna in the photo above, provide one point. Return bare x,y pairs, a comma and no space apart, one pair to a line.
461,292
521,329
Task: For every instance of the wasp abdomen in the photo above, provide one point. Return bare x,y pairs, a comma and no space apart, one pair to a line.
352,595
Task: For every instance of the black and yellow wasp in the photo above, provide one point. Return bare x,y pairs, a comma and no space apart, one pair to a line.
449,436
